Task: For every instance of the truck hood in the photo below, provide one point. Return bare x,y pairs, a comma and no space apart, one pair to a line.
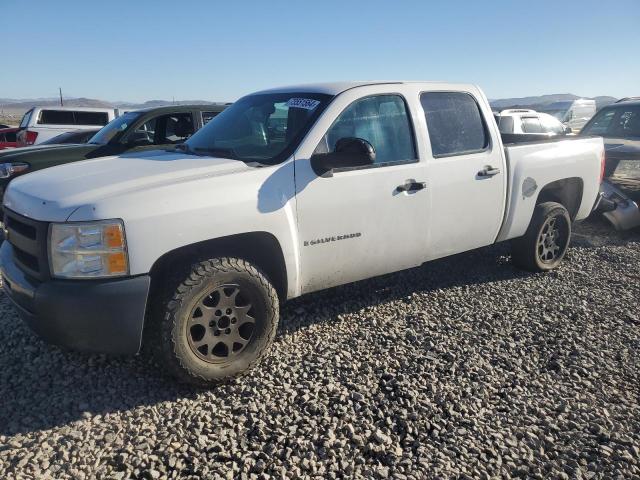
37,152
55,193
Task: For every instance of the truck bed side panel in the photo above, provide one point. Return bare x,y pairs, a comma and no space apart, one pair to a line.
533,166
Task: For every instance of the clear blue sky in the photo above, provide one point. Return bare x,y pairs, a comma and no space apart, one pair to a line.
138,50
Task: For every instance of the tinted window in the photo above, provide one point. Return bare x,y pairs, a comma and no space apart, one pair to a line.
10,136
454,122
600,124
91,118
206,116
56,117
382,121
619,122
505,124
531,125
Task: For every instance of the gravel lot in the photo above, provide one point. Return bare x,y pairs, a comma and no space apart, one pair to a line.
464,368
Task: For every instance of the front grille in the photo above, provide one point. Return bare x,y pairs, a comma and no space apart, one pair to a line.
29,241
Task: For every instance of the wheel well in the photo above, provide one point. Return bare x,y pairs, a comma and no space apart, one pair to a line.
260,248
567,192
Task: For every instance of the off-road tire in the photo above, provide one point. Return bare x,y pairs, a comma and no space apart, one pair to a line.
172,347
530,252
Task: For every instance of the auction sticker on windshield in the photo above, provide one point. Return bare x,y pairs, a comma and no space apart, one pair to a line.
306,103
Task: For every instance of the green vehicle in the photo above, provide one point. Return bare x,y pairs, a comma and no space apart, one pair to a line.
134,131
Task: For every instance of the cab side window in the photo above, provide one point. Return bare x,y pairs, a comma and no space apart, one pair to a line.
454,122
381,120
178,128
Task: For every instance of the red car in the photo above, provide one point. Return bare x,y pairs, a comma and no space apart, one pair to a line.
8,138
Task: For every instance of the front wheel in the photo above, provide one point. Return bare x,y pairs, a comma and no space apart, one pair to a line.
545,242
218,323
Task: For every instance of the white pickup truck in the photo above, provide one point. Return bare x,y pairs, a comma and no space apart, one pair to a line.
286,192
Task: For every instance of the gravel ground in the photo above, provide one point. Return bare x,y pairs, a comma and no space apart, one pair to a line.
463,368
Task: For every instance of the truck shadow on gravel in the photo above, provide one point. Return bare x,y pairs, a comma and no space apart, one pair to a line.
43,387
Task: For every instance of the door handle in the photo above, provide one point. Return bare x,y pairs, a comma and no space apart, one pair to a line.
488,171
411,186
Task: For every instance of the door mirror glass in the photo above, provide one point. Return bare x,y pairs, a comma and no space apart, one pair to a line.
348,152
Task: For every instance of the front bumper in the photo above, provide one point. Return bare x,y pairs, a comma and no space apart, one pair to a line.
103,316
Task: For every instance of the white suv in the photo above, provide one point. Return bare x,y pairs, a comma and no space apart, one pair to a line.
524,121
42,123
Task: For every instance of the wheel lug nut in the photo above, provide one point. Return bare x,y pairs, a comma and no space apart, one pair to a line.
216,332
228,311
228,331
233,320
218,313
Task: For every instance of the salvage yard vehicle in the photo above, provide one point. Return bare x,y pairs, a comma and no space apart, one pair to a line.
529,122
619,124
286,192
40,123
134,131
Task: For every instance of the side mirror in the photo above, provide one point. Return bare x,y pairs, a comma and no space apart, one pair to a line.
568,130
348,152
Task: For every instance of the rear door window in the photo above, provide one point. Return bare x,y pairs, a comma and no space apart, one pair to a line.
455,124
531,125
10,136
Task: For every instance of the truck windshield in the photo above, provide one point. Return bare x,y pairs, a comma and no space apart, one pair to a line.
114,127
264,128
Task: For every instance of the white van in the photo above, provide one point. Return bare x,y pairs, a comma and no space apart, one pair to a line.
579,113
42,123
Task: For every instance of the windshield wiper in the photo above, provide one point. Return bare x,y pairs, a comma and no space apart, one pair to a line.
220,152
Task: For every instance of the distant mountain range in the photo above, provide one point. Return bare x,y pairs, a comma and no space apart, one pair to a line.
536,103
11,107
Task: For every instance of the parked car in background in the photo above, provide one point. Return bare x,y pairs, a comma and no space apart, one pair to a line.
8,138
3,126
529,122
147,129
76,136
619,125
42,123
289,191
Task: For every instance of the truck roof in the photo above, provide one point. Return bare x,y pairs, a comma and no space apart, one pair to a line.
334,88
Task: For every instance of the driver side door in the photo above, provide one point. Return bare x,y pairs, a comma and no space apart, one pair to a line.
359,222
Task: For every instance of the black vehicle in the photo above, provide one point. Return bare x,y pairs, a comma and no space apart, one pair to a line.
147,129
76,136
619,125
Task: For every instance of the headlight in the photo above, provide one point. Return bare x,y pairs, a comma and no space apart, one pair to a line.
10,169
88,250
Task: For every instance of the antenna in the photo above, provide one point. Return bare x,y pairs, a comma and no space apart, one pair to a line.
61,103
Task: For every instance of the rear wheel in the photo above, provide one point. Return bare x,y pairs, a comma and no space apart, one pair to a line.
219,322
545,242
